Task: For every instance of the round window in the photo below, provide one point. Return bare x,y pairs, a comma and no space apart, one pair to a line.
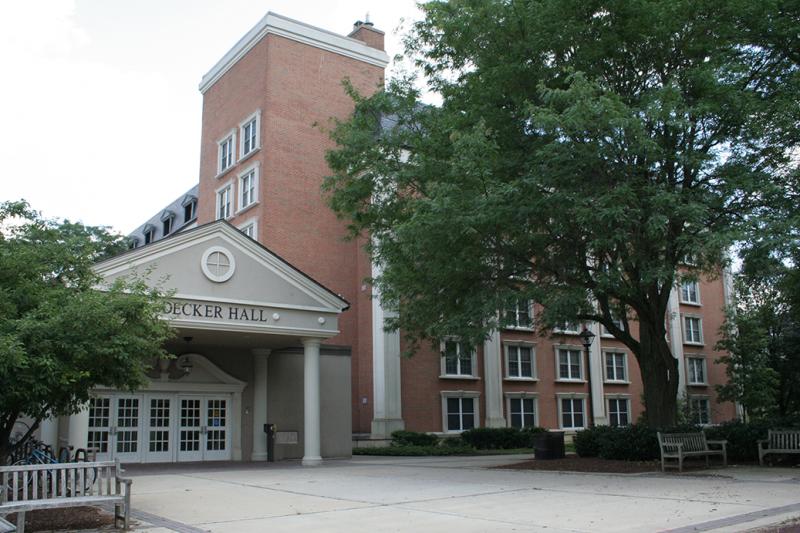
218,264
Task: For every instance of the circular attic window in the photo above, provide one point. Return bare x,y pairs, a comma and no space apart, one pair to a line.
218,264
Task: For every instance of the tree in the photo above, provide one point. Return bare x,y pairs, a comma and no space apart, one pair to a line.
59,335
582,150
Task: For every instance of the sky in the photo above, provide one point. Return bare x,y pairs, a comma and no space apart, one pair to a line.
99,107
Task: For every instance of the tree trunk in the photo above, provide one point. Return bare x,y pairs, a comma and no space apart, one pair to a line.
659,371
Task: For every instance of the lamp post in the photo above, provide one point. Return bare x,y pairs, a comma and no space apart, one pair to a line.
587,337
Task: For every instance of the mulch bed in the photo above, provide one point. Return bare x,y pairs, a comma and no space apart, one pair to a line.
573,463
70,519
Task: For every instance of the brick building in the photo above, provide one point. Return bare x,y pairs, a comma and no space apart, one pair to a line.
262,163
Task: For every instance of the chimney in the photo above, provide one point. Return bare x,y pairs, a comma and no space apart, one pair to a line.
366,32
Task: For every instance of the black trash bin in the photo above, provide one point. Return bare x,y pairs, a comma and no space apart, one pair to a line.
549,445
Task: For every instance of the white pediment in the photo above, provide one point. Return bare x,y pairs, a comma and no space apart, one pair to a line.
229,276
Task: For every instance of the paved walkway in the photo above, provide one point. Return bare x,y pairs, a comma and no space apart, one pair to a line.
369,494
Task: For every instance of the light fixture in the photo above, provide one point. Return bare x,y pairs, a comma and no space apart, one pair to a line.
587,337
186,365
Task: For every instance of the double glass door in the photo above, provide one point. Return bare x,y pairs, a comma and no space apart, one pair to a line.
156,427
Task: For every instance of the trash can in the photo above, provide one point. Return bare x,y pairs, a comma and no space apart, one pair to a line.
549,445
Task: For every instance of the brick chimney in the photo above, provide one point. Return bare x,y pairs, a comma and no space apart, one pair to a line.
365,31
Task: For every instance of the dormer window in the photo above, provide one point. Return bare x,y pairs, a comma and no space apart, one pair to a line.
133,243
167,219
149,234
189,208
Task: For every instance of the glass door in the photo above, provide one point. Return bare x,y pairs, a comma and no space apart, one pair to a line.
158,441
190,429
216,433
99,436
126,432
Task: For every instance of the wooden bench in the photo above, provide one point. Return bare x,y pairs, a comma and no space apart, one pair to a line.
779,441
47,486
682,445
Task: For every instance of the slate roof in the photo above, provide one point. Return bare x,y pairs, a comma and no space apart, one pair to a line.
176,209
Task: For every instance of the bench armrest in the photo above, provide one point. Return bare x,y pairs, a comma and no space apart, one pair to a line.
721,443
677,445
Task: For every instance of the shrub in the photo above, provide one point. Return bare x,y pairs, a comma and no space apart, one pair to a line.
413,438
636,442
410,450
500,438
454,442
742,437
587,442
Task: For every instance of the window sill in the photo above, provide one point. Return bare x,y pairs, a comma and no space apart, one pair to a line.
523,379
224,172
454,376
616,382
525,329
562,380
250,154
693,304
246,209
561,332
705,384
690,343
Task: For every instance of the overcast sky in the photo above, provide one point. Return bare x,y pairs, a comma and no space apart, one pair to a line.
99,107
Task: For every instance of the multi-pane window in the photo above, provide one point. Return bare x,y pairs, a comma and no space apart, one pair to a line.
692,330
569,364
460,413
249,136
457,359
697,370
615,366
699,410
617,322
149,235
520,361
249,230
189,211
247,189
224,203
226,153
518,314
522,411
572,413
568,327
167,226
619,411
690,292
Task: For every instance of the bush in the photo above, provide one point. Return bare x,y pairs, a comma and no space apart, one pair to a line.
409,450
500,438
742,437
636,442
413,438
587,442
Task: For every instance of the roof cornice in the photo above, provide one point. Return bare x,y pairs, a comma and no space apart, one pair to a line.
275,24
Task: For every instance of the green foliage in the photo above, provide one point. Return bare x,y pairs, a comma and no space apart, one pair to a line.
580,151
413,438
415,450
59,335
636,442
500,438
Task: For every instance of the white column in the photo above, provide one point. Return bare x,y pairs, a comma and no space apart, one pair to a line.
260,375
493,380
78,432
387,415
676,339
48,432
596,367
311,419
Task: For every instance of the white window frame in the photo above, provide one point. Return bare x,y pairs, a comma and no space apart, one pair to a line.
152,231
217,203
686,329
618,397
476,405
443,364
606,377
703,365
230,136
570,396
687,301
255,171
516,325
256,116
522,396
604,332
580,349
507,359
250,222
563,331
707,400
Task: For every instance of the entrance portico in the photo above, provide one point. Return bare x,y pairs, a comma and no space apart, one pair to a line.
251,332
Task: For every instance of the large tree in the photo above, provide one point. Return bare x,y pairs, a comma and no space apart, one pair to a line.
582,149
59,335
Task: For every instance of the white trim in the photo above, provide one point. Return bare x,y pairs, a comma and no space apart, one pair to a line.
705,398
516,326
231,201
506,361
252,221
687,358
459,346
257,117
231,135
328,301
476,404
627,380
699,319
571,396
699,301
218,278
626,397
255,170
522,396
581,356
275,24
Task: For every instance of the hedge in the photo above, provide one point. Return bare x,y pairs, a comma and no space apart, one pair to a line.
415,450
500,438
413,438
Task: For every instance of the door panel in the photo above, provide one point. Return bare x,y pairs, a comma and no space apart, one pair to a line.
189,429
217,447
158,441
100,418
128,428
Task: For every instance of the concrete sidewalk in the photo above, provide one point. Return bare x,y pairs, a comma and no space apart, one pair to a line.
457,494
